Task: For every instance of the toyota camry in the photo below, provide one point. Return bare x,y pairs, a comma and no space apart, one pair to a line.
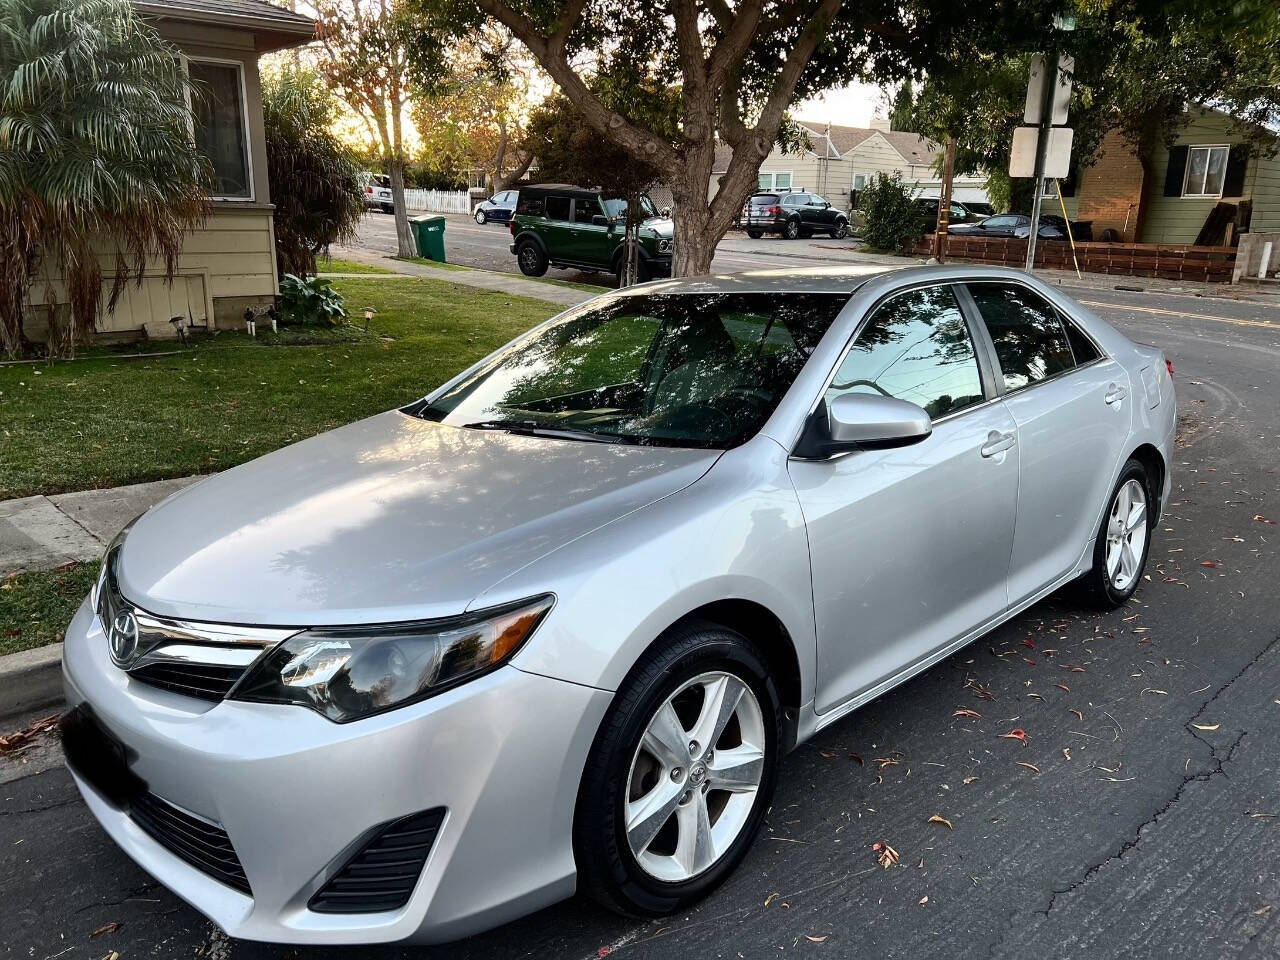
553,627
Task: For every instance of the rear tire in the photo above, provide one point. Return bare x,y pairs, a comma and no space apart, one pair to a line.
1123,541
791,230
532,260
631,771
388,209
841,231
755,234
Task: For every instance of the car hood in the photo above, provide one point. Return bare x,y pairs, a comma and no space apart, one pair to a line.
660,227
390,518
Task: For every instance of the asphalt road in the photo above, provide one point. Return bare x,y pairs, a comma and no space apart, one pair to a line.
473,245
1141,818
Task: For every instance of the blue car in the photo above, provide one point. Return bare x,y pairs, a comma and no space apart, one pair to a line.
498,207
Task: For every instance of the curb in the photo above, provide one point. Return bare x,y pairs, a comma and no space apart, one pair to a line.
30,680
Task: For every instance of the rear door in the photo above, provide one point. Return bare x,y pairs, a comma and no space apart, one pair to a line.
910,546
1071,405
588,240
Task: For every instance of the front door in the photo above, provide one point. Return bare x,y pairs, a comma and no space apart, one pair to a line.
910,546
1071,403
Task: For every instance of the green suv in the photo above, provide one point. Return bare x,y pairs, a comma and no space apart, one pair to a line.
574,228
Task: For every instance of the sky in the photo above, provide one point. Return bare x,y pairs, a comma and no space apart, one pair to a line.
851,106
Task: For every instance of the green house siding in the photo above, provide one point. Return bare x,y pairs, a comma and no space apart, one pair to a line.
1179,219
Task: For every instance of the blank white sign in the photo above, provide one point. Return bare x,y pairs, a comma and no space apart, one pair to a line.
1057,158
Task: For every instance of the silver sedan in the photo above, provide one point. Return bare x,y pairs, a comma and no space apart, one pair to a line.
552,627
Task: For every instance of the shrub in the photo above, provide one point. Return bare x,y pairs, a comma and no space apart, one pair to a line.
892,217
312,301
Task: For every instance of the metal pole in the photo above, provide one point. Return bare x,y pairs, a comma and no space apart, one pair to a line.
1042,149
944,202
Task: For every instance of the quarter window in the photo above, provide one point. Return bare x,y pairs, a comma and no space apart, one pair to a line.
219,126
1029,338
915,347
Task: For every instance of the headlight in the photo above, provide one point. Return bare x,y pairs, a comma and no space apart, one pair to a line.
350,672
96,593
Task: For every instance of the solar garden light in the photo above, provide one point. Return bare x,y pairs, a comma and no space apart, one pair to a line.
180,328
368,316
250,322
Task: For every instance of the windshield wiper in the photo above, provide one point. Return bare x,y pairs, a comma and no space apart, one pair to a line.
533,428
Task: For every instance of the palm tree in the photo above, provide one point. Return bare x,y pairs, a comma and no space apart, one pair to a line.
99,175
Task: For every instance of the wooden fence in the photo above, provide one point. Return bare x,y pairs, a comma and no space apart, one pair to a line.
1166,261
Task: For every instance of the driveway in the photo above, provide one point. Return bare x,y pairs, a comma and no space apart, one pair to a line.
1140,818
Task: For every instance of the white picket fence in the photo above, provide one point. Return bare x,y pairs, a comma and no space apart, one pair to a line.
438,201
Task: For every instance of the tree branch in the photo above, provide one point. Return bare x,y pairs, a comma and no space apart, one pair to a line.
732,46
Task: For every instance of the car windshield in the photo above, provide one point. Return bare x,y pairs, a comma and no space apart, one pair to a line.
688,370
616,207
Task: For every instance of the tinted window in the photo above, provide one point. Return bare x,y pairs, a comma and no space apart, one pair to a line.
1001,222
1081,346
557,208
529,206
1030,341
817,200
696,370
764,199
584,210
916,347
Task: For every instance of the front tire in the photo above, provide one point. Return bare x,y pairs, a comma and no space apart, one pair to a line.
533,262
841,231
1123,542
480,217
680,774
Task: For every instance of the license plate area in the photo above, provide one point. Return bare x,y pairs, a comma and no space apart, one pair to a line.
100,759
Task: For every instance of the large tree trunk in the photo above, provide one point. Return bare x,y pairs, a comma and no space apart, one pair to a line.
404,236
503,181
701,221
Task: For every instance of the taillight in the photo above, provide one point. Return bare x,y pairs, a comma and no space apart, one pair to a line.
775,211
1168,365
368,189
511,226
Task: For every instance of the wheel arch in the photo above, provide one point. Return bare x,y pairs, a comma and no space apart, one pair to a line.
1152,461
531,237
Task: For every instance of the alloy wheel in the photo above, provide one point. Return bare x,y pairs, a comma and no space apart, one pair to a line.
1126,535
480,217
695,776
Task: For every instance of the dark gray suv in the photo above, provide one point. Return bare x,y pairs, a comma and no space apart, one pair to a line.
793,215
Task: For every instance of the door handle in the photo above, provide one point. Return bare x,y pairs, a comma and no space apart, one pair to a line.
997,442
1115,393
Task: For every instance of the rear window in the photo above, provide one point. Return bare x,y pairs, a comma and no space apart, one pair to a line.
764,199
1029,338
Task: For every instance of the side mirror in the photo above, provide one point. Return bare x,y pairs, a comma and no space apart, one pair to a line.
862,421
600,221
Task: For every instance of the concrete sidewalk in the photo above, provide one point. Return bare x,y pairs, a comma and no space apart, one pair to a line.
39,533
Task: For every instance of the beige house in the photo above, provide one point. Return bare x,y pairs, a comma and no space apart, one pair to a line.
229,263
841,160
1208,171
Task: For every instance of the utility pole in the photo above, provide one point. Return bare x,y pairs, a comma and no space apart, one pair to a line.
944,201
1042,148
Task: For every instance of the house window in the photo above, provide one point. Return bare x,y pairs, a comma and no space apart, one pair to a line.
1206,171
219,126
772,180
859,181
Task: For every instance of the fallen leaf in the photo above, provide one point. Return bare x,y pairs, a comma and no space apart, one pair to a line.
1261,519
1208,728
1066,752
924,900
1079,715
1029,766
770,898
969,780
821,939
1017,733
1262,911
857,757
109,927
1212,565
942,820
962,712
886,855
1063,686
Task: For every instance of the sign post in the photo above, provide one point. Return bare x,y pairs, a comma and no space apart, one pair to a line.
1043,150
944,202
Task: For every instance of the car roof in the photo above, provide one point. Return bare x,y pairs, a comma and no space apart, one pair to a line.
834,279
537,189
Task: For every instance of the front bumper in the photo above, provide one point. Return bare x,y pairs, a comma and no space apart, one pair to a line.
294,792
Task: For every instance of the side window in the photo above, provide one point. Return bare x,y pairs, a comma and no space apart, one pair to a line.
1082,347
1031,344
816,201
915,347
530,206
1002,222
584,210
557,208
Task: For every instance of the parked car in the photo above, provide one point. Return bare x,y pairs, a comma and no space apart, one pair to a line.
980,208
377,192
554,625
499,207
792,215
928,207
574,228
1019,225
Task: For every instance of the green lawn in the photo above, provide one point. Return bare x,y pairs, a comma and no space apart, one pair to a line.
36,607
104,421
338,265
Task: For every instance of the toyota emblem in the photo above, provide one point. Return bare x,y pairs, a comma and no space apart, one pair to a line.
123,637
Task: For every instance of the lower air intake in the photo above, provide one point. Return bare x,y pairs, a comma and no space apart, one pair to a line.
382,874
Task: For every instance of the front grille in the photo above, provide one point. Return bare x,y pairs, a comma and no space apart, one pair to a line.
382,875
200,843
206,681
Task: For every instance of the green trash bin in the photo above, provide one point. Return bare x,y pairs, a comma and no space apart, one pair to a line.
428,234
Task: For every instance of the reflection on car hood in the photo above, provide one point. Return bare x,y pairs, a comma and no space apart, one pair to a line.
390,518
